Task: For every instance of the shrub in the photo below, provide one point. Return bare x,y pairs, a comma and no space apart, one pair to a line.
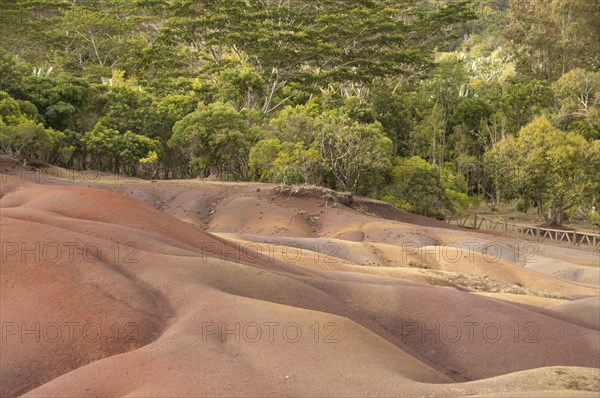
522,205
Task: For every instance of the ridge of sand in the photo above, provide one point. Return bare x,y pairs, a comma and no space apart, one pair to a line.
188,305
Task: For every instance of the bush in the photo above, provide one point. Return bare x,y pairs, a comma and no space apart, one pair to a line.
261,157
417,183
396,202
522,205
426,189
459,202
352,150
216,139
274,161
29,140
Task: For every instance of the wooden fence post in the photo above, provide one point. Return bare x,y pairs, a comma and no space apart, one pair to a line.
537,233
475,221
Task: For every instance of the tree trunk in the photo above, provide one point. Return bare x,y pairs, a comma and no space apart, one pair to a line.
540,205
556,214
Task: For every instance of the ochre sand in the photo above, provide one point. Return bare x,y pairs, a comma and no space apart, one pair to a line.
379,297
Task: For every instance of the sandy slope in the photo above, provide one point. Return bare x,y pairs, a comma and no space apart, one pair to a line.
239,290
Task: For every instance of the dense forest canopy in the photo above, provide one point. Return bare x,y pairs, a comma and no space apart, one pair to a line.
426,104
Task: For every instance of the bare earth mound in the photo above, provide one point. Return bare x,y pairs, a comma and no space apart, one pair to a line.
205,289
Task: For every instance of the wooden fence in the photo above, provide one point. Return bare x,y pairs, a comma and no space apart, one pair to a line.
537,234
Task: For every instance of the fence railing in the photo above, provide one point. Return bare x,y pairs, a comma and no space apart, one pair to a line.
539,234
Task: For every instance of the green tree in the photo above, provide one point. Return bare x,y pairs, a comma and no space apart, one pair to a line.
10,111
545,165
242,86
11,72
314,42
578,95
116,151
415,186
28,140
293,124
59,99
261,158
308,163
393,112
427,138
216,140
522,100
468,132
446,86
423,188
274,161
551,37
351,149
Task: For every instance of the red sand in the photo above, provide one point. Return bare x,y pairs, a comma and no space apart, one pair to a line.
148,303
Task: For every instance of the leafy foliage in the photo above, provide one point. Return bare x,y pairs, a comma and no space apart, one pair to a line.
216,139
351,149
427,104
420,187
546,165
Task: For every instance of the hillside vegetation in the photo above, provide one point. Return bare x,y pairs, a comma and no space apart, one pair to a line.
431,105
